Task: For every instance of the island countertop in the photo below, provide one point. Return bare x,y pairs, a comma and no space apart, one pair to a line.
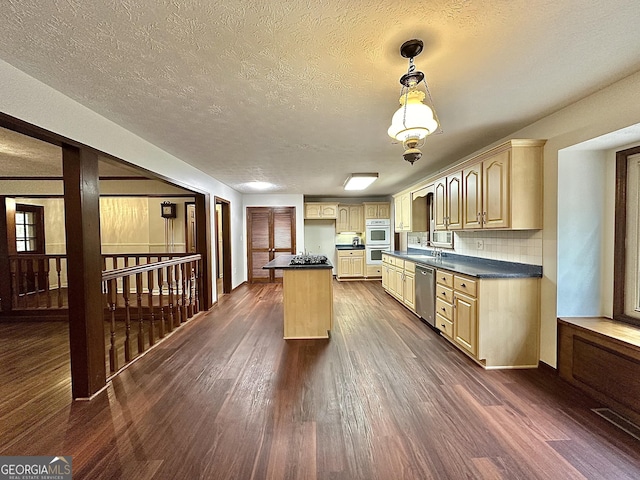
472,266
283,262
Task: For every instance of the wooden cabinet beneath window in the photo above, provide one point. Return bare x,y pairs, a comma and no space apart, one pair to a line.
377,210
350,264
494,320
320,211
350,219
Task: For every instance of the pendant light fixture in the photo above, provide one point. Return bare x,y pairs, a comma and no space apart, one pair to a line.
414,120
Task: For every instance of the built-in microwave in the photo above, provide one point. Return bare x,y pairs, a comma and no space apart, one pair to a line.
442,238
378,232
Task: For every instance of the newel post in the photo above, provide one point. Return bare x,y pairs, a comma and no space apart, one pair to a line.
84,265
7,247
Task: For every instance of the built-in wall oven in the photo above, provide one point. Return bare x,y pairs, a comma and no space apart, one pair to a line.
374,254
378,231
378,239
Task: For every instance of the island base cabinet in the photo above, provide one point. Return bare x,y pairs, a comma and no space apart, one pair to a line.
308,303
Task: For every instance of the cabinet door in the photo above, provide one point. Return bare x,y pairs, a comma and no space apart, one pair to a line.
329,211
312,210
466,322
384,210
496,195
357,267
342,221
472,197
410,290
454,201
397,283
397,211
356,220
370,210
440,204
344,266
406,212
385,276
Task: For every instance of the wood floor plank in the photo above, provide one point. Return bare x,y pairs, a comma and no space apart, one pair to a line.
226,397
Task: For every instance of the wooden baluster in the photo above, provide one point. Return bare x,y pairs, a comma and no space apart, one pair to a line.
59,275
111,305
183,294
25,284
189,270
140,316
196,285
161,302
13,266
171,323
35,267
152,320
45,275
127,318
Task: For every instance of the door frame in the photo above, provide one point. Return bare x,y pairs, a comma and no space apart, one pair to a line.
226,241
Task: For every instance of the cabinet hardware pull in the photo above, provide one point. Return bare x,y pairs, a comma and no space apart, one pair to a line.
443,326
463,285
443,309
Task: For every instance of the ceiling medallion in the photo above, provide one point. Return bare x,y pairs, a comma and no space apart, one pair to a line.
414,120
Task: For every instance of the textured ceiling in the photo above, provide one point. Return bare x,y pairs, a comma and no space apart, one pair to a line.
300,93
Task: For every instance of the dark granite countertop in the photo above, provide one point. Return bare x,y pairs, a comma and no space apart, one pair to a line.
472,266
350,247
283,263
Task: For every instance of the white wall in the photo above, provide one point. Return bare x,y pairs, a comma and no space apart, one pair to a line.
581,216
28,99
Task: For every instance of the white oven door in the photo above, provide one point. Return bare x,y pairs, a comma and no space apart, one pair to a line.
378,236
374,254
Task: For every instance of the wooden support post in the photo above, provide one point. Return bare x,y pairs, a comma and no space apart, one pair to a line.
203,247
7,247
84,271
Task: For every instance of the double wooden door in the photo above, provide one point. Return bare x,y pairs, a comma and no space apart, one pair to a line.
271,232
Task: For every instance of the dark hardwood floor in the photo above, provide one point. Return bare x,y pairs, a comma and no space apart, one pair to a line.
226,398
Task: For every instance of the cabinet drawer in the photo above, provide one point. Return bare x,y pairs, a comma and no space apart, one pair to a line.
350,253
445,278
386,259
409,266
465,285
444,293
444,325
443,308
399,263
374,270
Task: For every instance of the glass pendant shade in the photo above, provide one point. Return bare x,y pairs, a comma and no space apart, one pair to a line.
413,120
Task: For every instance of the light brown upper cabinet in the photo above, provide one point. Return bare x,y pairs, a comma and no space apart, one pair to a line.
448,202
320,211
402,212
377,210
504,189
350,219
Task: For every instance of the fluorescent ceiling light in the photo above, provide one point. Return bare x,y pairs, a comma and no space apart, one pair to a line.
360,181
260,185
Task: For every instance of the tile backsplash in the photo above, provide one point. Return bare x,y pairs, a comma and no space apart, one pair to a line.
522,246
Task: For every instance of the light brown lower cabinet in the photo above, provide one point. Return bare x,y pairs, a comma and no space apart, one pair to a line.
494,320
399,279
351,265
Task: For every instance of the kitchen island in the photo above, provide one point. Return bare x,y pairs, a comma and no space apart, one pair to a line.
307,296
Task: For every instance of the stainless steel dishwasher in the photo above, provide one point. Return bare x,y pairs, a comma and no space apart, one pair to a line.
426,293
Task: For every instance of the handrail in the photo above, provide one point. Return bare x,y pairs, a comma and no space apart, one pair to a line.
120,272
